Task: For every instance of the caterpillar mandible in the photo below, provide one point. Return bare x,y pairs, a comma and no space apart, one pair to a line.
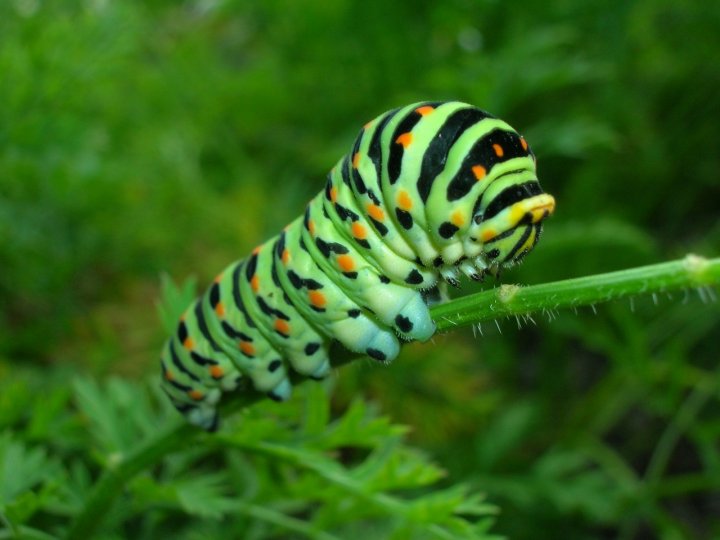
429,191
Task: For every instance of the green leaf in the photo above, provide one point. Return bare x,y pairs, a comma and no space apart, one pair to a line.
174,300
119,413
358,428
205,496
22,468
394,466
26,477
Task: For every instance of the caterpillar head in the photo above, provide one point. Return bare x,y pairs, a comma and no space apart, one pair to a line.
506,225
509,224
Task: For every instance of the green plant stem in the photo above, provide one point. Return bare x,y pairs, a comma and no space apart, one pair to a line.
505,301
513,300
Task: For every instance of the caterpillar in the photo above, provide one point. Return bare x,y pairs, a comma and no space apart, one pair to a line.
429,192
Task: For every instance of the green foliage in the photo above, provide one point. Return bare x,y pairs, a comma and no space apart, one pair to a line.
275,470
140,138
175,300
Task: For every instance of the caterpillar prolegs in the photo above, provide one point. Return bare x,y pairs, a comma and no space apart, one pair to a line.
430,191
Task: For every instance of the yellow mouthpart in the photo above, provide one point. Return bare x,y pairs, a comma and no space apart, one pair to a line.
539,207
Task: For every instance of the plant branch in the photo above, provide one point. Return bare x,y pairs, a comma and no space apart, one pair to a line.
512,300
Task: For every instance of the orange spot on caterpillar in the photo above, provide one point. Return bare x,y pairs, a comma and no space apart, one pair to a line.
285,256
220,309
282,326
317,299
189,343
169,376
311,227
524,143
216,372
218,277
405,139
256,249
425,110
333,194
457,218
356,160
247,348
346,263
404,201
488,235
499,152
197,395
375,212
479,172
255,283
359,231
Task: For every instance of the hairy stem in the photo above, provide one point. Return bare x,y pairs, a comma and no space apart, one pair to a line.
512,300
505,301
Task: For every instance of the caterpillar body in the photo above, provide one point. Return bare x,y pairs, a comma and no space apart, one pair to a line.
429,192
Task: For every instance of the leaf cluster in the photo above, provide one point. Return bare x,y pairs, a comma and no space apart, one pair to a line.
275,471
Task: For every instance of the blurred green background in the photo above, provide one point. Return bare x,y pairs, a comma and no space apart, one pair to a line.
138,138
